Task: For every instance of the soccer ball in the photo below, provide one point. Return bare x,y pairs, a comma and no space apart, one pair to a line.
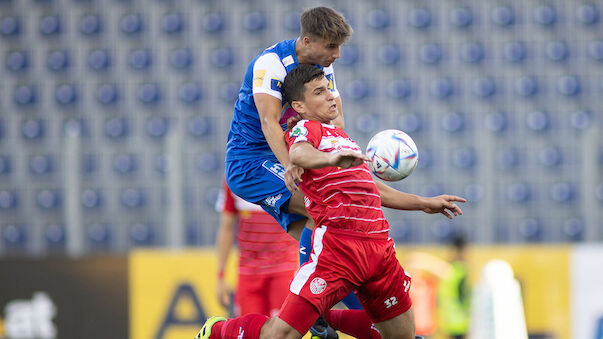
393,155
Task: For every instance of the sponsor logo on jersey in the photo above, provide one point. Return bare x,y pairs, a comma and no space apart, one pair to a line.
288,60
275,85
272,200
298,131
258,77
331,84
275,168
318,285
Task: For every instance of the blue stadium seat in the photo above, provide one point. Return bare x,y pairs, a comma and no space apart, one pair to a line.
181,58
50,25
208,162
595,50
157,127
464,158
526,86
99,59
99,234
587,14
291,21
441,88
57,60
33,129
484,87
255,21
453,122
8,199
214,22
573,229
472,52
430,53
568,85
349,55
378,19
580,119
91,198
519,192
90,24
411,123
131,23
55,235
133,198
425,158
189,92
24,95
142,234
497,122
229,92
10,26
14,235
199,126
442,231
399,89
117,128
401,231
557,51
420,17
49,199
503,16
389,54
6,164
461,17
161,163
211,196
531,229
474,193
367,123
172,23
125,163
41,164
222,57
17,61
66,94
358,89
508,158
192,234
75,126
140,59
107,94
562,192
431,190
89,164
149,93
545,15
515,51
538,121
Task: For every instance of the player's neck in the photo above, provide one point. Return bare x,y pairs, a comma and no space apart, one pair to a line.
300,51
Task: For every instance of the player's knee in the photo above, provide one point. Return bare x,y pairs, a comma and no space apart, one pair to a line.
275,328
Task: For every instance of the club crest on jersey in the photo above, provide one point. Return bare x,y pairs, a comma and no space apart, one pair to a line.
298,131
275,85
318,285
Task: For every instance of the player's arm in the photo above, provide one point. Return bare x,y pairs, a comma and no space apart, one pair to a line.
224,241
303,154
444,204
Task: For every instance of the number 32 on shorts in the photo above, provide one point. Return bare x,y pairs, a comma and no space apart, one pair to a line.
390,302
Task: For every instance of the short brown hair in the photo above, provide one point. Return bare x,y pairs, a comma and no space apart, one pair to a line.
295,81
326,23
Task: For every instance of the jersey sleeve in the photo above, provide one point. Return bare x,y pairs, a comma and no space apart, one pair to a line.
226,201
305,131
330,75
268,75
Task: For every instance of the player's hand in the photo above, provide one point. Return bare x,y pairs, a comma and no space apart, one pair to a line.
223,292
293,177
347,159
292,121
444,204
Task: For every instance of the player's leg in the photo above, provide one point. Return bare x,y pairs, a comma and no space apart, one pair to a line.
277,289
251,295
399,327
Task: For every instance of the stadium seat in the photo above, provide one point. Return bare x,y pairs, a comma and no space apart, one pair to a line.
442,231
568,85
189,92
14,236
358,89
66,94
172,23
580,119
291,21
497,121
25,95
107,94
367,123
91,198
562,192
99,235
430,54
441,88
419,17
545,15
8,200
33,129
557,51
149,93
573,229
10,26
349,55
378,19
142,234
90,24
157,127
133,198
229,92
50,25
222,57
538,121
214,22
550,156
461,17
161,163
399,89
124,163
17,61
425,158
49,199
526,86
140,59
401,231
515,51
453,122
595,50
472,52
464,158
89,164
41,164
131,23
388,54
508,158
474,193
484,87
99,59
6,164
503,16
207,162
411,123
531,230
519,192
199,126
117,128
181,58
55,235
587,14
58,60
255,21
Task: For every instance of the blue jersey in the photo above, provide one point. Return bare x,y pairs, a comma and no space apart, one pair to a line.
265,74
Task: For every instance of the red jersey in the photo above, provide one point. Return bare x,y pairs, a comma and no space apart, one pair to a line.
264,248
346,199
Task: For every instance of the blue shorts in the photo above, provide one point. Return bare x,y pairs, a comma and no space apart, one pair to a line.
262,182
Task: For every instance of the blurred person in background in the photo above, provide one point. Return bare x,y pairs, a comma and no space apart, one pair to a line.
267,257
453,294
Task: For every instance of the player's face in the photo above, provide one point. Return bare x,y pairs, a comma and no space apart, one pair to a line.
319,103
323,52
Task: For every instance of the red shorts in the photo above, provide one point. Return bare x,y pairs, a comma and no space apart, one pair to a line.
343,261
262,293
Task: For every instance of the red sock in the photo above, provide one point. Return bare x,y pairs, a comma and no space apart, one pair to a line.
244,327
353,322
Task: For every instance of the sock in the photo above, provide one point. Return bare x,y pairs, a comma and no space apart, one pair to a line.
305,246
353,322
352,302
244,327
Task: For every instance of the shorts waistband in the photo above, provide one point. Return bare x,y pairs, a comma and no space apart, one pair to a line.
383,235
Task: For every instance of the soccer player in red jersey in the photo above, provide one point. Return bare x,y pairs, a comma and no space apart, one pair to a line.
267,256
352,250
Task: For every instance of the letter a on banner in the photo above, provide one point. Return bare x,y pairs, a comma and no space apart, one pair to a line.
185,292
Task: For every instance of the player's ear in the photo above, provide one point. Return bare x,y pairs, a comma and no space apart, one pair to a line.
298,106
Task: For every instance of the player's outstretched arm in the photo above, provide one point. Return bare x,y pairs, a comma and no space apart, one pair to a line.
303,154
444,204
